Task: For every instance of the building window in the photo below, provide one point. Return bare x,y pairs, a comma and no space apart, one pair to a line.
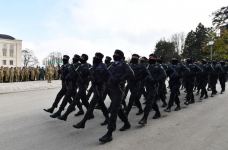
11,62
11,50
4,62
4,50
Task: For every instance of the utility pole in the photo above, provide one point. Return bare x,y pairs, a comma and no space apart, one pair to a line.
210,43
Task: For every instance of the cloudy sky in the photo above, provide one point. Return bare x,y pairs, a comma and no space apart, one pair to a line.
88,26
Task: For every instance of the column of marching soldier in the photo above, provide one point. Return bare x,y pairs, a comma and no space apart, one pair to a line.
141,76
18,74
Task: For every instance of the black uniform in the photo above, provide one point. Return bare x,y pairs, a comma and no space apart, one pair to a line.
222,75
64,70
134,84
82,72
155,75
189,79
99,76
174,72
71,88
213,77
203,79
119,72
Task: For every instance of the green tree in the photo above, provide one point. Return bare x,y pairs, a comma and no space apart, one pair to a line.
189,45
221,47
196,42
165,50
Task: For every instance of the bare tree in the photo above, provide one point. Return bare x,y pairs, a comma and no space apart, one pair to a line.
29,59
178,39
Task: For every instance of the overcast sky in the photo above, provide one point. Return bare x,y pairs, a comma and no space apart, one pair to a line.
88,26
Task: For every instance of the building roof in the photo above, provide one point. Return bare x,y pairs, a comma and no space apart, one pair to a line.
7,37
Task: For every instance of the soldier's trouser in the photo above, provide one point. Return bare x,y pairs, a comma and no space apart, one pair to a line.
213,86
89,93
68,94
76,101
11,78
174,96
115,95
142,90
222,81
96,99
151,101
134,98
189,89
126,90
203,85
60,95
1,79
162,92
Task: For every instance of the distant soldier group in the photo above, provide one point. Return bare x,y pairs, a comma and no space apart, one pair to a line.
142,77
22,74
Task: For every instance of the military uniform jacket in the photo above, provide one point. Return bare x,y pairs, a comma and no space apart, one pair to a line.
119,72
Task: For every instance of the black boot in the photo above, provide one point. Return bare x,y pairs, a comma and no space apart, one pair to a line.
80,125
177,108
186,103
143,121
56,114
105,122
157,115
63,117
192,102
139,112
80,112
164,105
90,116
167,109
106,138
125,126
49,110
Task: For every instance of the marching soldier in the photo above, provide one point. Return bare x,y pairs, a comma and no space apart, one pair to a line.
120,72
64,72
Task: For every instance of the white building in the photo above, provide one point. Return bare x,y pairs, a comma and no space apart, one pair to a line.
10,51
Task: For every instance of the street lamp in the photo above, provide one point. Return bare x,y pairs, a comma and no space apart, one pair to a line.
210,43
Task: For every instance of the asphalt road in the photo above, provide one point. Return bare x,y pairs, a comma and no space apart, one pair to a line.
25,126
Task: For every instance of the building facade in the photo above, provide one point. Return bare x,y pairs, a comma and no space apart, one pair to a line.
10,51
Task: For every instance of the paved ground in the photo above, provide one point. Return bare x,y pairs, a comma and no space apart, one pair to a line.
28,86
25,126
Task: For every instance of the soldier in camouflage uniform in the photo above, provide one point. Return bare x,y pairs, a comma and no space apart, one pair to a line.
32,72
11,74
1,75
6,74
26,74
56,73
37,73
49,73
22,73
17,74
